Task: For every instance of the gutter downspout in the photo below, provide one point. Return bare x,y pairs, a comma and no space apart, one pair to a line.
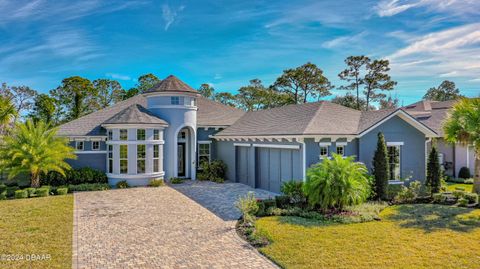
429,139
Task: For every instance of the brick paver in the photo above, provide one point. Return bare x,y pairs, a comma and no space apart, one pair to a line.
155,228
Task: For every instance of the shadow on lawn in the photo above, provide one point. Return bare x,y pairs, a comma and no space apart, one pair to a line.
435,217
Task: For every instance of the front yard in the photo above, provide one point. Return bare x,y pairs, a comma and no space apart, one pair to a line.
38,229
408,236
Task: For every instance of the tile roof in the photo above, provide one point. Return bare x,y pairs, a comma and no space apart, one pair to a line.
172,84
135,114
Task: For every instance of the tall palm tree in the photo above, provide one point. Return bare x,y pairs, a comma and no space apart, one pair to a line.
35,149
463,126
7,112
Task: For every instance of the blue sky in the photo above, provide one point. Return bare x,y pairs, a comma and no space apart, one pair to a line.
227,43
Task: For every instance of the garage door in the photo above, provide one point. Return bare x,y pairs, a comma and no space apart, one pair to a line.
241,165
274,166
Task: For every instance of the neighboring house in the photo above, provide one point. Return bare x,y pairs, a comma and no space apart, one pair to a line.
167,131
452,156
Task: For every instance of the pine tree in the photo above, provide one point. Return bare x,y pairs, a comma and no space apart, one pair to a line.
433,171
380,168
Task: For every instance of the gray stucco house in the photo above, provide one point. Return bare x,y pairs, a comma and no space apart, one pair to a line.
167,131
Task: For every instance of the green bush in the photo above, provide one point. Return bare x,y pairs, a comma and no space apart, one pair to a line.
381,171
122,184
434,173
282,201
439,198
458,194
62,191
248,206
410,193
42,192
176,180
31,192
462,202
11,191
3,188
294,190
3,195
156,183
468,181
74,177
471,197
88,187
464,173
21,194
337,183
393,190
456,180
214,171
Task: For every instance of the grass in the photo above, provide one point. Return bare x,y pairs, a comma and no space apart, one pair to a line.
453,186
408,236
40,226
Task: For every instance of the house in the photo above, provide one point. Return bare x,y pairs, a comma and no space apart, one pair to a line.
167,131
452,156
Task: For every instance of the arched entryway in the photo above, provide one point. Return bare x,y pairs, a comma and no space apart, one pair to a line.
185,153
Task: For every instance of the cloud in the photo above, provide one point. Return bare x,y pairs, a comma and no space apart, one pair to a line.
169,15
388,8
447,53
118,76
344,41
392,7
217,76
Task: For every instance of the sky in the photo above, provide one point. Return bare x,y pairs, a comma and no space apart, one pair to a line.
228,43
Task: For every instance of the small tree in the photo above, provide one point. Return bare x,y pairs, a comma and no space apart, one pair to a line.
433,171
380,168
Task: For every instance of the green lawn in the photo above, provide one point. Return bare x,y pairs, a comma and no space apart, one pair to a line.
40,226
453,186
408,236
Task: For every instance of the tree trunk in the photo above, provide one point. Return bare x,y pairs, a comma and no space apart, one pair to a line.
35,180
476,171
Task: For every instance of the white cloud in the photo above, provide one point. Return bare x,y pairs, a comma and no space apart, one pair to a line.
392,7
118,76
447,53
344,41
169,14
387,8
217,76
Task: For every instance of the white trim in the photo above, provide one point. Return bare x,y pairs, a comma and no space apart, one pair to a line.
171,93
276,146
93,142
343,150
209,153
90,152
304,162
76,145
320,156
174,106
80,139
204,141
134,176
325,144
241,145
85,138
341,144
135,142
395,143
407,118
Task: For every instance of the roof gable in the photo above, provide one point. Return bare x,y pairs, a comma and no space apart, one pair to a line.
172,84
135,114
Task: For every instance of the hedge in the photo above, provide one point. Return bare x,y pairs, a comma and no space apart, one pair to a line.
74,177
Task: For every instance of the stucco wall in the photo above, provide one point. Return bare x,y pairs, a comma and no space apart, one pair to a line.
313,149
95,161
412,153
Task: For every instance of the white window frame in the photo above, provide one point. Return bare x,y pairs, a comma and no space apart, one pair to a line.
156,160
77,143
399,147
175,100
200,143
110,159
156,134
95,142
338,147
326,147
120,134
110,135
120,159
144,134
140,158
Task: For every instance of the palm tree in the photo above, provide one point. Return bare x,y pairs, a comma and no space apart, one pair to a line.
463,126
35,149
7,111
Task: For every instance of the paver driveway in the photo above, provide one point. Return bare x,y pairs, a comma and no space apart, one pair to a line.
155,228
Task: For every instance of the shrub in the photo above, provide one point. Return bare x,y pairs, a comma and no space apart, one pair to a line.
3,195
62,191
264,206
433,171
248,206
439,198
393,190
31,192
410,193
42,192
294,190
122,184
11,191
21,194
468,181
74,176
337,183
380,168
462,202
282,201
176,180
471,197
156,183
464,173
214,171
3,188
458,194
88,187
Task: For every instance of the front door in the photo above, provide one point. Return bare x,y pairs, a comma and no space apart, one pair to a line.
181,159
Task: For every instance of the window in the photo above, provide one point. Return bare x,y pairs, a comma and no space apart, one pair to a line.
183,135
156,158
140,159
323,152
394,161
194,101
123,159
175,100
79,145
110,135
140,134
95,145
341,150
110,159
156,134
123,134
203,153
